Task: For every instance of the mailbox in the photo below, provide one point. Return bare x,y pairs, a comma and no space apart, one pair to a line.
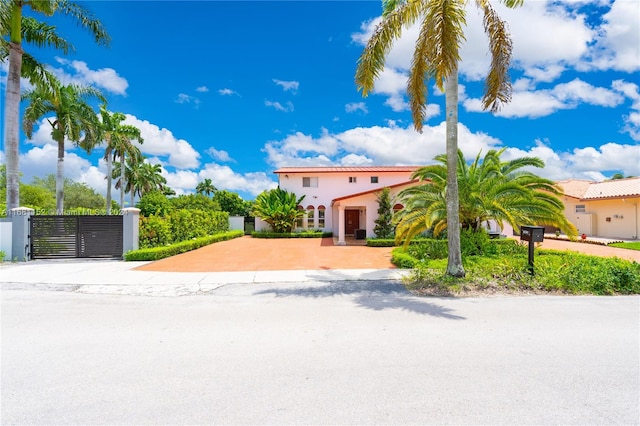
534,234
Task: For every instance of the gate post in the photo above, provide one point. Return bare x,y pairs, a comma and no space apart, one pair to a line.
130,229
20,233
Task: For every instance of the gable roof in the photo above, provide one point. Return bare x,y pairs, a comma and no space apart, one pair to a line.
372,169
371,191
609,189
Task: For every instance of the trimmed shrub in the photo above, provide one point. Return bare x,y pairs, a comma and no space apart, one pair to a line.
154,231
402,259
156,253
303,234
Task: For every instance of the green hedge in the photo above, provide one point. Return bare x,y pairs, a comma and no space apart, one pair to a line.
304,234
181,225
156,253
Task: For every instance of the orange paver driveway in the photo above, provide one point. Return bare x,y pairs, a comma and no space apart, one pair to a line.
257,254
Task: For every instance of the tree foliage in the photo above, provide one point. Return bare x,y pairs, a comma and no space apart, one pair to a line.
490,189
384,223
279,208
232,203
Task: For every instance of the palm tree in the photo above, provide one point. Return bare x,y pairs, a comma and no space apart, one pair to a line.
140,177
436,55
74,120
17,27
489,190
117,137
127,151
206,187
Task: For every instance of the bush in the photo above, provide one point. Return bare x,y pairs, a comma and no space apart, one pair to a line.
157,253
154,232
303,234
402,259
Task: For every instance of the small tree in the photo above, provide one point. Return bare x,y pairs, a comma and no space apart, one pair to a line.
384,225
279,208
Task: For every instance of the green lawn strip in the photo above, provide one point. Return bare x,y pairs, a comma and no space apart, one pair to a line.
554,272
157,253
630,246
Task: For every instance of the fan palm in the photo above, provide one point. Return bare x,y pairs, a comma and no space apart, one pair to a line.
436,55
16,28
73,119
489,189
118,138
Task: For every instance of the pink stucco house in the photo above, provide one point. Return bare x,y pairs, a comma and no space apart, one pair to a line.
343,200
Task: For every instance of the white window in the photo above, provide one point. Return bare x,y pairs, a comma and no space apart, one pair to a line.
310,182
581,208
310,217
321,217
352,179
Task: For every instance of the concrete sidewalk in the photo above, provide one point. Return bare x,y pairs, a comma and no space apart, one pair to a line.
119,277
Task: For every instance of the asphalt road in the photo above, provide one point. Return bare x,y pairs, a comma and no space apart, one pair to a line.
317,353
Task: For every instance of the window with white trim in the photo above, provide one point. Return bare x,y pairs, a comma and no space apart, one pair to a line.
309,182
321,212
310,211
352,179
581,208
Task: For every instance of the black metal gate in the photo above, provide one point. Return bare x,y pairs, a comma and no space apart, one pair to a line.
57,237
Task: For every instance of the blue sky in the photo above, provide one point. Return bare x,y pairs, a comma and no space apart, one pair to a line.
233,90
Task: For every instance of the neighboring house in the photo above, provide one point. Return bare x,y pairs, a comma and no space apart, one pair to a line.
343,199
606,209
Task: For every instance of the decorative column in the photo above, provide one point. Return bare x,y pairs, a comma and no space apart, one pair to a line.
130,229
20,233
341,240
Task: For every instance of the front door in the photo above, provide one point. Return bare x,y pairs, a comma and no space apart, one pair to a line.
351,221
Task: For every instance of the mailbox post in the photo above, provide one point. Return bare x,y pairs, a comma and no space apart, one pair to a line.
533,234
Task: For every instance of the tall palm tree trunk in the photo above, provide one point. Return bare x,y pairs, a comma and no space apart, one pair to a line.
109,180
454,264
60,178
122,182
11,122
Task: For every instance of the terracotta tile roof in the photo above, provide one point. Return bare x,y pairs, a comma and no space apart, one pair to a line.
371,191
617,188
574,187
371,169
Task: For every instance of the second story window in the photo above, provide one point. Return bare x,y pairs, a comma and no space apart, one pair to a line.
309,182
581,208
374,179
352,179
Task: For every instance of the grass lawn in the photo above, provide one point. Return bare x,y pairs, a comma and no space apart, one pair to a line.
630,246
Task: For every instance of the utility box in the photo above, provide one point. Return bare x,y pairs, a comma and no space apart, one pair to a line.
360,234
534,234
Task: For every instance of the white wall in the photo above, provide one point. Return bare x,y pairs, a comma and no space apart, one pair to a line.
236,223
6,238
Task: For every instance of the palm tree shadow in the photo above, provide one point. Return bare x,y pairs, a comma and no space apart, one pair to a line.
375,295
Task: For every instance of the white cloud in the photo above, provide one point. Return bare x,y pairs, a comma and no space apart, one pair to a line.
287,86
619,40
183,98
356,106
541,103
42,161
219,155
202,89
105,78
227,92
288,107
632,120
161,142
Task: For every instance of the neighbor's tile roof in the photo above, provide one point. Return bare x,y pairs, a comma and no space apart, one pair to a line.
617,188
372,169
574,188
